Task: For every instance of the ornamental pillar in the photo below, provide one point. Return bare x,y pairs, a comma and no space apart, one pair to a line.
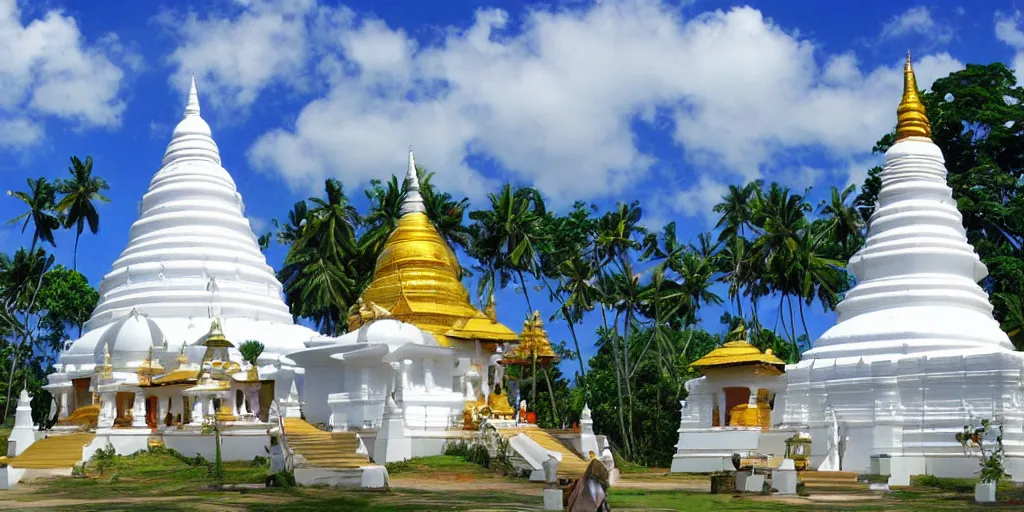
63,405
139,410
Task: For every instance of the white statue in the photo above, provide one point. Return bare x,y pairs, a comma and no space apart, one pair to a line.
831,462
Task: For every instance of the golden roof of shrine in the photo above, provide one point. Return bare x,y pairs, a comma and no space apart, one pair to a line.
736,353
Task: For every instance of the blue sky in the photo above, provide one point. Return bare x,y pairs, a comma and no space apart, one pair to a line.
665,102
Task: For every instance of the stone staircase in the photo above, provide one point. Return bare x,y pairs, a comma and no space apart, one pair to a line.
54,452
329,450
84,417
572,465
831,481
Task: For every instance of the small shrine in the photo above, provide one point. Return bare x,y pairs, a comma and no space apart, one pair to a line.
744,377
729,409
534,350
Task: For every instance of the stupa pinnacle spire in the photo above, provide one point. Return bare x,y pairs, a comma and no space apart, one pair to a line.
413,200
192,138
912,121
192,107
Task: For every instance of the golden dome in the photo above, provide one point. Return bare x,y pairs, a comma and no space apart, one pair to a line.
912,121
736,353
417,279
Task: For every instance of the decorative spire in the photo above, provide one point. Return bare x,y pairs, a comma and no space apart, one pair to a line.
912,121
413,200
192,107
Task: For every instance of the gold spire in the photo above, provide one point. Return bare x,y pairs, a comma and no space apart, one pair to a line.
912,121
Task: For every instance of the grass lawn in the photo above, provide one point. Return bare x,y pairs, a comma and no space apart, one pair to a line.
162,482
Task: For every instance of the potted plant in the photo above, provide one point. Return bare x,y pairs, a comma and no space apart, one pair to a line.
251,351
978,439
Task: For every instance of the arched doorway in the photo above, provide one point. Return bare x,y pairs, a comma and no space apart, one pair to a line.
152,409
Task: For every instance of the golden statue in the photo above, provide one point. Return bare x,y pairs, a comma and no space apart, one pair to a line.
498,402
475,413
760,415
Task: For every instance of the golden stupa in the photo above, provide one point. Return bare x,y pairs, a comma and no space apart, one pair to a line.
417,280
911,118
533,341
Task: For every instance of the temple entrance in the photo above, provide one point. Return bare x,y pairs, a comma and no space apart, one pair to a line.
266,395
125,402
186,410
734,397
81,396
152,409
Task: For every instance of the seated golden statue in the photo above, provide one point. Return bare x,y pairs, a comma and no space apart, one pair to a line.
743,415
475,413
498,402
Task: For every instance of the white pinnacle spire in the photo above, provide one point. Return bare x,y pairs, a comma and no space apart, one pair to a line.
192,139
192,107
413,200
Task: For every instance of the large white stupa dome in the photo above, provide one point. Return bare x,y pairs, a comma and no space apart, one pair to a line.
192,257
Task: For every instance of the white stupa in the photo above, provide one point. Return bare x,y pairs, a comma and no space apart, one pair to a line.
914,356
915,353
191,257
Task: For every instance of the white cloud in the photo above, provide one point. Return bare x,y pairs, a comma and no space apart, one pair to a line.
235,56
552,100
917,21
258,225
1007,32
47,69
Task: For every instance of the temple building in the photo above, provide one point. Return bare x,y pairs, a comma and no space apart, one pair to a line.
915,353
158,359
734,399
161,359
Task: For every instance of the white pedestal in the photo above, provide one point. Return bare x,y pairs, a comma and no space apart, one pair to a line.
391,444
23,434
747,481
784,480
553,499
985,492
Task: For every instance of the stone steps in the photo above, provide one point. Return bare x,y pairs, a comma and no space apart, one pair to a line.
54,452
333,450
837,481
572,465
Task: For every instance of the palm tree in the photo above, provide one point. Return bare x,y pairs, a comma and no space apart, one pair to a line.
845,226
78,204
40,199
780,217
506,238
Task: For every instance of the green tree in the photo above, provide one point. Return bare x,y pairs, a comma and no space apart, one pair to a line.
78,204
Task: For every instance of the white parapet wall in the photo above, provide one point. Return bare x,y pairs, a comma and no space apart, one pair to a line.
706,450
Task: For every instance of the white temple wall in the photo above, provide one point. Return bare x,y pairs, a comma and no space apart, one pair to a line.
319,382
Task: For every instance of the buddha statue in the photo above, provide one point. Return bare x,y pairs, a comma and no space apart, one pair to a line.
743,415
498,402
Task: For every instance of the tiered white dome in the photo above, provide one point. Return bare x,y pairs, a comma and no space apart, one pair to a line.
916,275
192,256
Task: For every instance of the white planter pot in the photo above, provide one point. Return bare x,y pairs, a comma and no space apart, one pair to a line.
985,492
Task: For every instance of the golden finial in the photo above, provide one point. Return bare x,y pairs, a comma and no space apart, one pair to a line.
182,358
490,310
912,121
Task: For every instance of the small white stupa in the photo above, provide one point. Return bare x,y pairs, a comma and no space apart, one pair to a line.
915,353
